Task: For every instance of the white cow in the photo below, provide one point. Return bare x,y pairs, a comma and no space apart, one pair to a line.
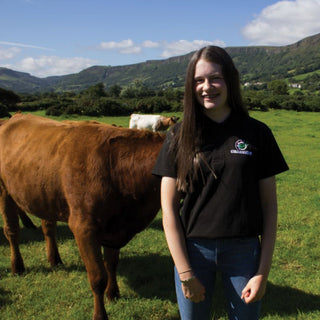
151,121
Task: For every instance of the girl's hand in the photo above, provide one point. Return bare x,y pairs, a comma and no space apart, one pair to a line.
193,290
255,289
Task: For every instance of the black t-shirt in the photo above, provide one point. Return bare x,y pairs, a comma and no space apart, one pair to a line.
241,151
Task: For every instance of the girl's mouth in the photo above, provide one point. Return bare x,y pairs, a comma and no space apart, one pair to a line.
210,96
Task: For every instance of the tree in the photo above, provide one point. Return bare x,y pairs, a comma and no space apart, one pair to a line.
137,90
4,111
8,97
278,87
114,91
96,91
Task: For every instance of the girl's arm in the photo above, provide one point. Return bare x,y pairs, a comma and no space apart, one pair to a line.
170,203
256,287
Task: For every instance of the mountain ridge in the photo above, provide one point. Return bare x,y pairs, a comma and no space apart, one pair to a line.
255,63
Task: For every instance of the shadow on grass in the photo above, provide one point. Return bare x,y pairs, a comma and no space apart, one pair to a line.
156,224
45,269
286,301
5,297
35,235
281,301
152,276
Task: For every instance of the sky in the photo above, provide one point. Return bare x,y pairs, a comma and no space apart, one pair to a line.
58,37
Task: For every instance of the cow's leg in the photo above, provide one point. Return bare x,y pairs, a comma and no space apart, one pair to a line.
49,232
26,221
90,251
111,259
10,213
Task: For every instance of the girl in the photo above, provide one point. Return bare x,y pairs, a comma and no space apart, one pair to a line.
218,192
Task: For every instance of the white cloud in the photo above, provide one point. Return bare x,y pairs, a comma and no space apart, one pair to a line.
45,66
168,49
124,46
131,50
150,44
183,46
284,22
6,54
116,45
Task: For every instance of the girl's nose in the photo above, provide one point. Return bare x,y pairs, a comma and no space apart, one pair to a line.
207,84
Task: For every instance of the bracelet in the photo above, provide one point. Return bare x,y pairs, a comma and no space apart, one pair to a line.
187,280
190,270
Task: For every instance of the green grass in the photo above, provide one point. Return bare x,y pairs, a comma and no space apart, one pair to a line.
145,268
301,77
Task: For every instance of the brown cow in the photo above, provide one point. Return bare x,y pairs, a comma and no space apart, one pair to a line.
3,121
27,222
95,177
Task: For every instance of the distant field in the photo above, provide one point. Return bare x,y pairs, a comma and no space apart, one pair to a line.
145,268
305,75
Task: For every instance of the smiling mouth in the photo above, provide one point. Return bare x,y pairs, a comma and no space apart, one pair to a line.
211,96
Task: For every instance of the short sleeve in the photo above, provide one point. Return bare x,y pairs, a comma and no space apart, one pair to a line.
271,160
165,165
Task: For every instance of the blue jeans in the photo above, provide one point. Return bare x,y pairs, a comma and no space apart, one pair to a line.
237,259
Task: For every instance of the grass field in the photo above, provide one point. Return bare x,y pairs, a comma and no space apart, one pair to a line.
145,268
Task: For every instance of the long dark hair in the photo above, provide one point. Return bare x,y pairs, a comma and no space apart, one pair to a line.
188,139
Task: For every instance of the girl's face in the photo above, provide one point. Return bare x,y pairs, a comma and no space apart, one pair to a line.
211,90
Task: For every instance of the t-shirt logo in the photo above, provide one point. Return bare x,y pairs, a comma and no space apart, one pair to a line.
241,147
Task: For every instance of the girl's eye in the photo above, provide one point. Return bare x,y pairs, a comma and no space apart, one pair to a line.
197,81
213,79
217,78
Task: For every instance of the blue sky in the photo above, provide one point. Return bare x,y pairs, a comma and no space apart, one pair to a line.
57,37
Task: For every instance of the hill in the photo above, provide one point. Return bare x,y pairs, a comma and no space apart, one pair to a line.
255,63
21,81
268,63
